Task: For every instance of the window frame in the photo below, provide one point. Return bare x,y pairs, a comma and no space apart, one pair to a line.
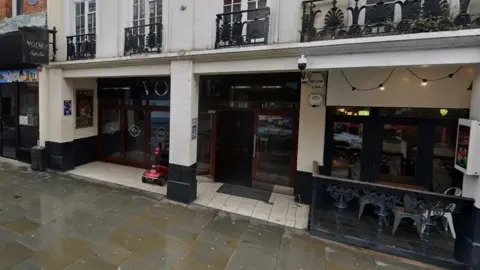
244,7
86,15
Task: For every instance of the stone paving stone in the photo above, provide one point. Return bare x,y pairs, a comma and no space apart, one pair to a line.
91,263
7,236
251,258
62,253
299,251
21,225
341,258
202,255
164,254
28,265
111,253
12,254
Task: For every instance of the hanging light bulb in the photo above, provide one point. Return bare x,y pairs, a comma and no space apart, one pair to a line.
354,88
424,82
450,76
381,87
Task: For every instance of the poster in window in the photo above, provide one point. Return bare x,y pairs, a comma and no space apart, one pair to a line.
84,109
463,140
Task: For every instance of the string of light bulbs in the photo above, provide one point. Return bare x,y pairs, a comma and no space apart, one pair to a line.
424,81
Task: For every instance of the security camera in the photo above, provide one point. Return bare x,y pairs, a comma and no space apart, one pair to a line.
302,63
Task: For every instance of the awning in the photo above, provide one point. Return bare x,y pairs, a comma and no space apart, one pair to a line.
29,46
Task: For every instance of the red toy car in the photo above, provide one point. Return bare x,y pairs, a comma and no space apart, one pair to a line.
158,174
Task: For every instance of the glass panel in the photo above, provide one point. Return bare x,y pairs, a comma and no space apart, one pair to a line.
444,173
20,10
9,134
399,154
205,126
134,135
252,5
274,150
159,136
227,2
91,6
347,148
29,110
111,133
262,3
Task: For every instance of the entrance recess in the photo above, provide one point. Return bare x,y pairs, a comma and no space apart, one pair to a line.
134,119
255,148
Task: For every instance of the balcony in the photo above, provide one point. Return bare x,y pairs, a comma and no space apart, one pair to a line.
374,216
324,20
242,28
143,39
81,47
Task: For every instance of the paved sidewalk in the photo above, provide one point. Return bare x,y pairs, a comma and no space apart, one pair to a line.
54,221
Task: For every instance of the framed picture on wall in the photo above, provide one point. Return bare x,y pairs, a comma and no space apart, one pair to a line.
84,108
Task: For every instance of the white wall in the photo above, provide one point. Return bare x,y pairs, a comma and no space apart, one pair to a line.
402,89
311,130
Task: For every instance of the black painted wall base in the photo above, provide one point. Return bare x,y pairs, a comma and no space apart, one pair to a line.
61,156
65,156
182,183
303,187
467,244
86,150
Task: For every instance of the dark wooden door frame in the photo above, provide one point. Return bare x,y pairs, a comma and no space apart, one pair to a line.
276,112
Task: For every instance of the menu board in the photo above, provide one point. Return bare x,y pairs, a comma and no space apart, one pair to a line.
463,141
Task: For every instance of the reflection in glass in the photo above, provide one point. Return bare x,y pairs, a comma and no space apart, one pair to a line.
274,150
111,132
347,147
399,153
134,135
205,126
444,174
159,133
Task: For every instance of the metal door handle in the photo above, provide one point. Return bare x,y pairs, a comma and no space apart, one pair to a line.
254,145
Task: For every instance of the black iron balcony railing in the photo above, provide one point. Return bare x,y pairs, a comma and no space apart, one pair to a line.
325,19
143,39
81,47
366,214
242,28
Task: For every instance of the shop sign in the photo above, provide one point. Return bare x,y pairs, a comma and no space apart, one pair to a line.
35,45
67,107
84,109
467,150
19,75
194,128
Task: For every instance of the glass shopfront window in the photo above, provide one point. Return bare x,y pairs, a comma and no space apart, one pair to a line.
404,147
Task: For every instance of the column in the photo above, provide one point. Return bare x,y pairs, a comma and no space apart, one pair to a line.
182,183
43,110
467,244
60,133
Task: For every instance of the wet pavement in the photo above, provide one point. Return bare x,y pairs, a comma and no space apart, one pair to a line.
54,221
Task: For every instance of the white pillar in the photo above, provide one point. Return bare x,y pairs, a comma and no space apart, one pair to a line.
60,127
43,114
471,184
182,185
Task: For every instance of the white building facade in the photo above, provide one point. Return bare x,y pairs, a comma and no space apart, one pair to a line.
217,82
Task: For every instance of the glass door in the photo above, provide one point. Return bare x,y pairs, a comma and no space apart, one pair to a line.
134,136
9,138
275,152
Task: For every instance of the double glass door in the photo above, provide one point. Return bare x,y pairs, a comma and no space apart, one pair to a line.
130,135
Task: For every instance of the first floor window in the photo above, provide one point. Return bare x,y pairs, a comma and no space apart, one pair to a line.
85,17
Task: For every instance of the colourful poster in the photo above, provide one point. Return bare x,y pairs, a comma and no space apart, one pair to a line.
463,141
19,75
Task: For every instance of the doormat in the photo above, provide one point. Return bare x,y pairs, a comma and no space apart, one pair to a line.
245,192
